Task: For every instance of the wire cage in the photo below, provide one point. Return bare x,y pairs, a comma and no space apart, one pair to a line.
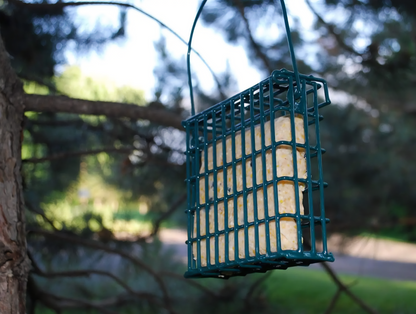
254,177
246,216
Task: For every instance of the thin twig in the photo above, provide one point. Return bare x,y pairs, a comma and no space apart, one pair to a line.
30,207
333,301
255,285
337,295
162,217
166,214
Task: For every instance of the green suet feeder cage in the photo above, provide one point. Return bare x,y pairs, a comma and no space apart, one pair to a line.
254,177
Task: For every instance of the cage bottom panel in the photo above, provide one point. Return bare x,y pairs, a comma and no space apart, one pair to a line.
257,265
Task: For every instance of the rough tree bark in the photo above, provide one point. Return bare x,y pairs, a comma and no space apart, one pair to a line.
14,264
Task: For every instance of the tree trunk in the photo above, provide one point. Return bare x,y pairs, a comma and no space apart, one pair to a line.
14,264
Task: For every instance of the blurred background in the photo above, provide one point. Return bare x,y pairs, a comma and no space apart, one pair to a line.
109,192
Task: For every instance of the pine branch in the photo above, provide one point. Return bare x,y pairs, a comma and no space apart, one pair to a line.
192,283
57,7
100,127
252,41
86,273
99,246
60,303
89,272
331,30
54,103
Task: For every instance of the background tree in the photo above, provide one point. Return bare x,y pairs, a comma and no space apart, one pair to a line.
14,265
74,139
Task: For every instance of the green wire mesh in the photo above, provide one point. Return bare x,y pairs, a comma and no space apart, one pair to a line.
210,239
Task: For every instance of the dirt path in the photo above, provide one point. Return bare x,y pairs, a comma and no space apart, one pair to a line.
361,256
373,248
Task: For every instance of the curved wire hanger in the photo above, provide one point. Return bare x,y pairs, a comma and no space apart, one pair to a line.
289,40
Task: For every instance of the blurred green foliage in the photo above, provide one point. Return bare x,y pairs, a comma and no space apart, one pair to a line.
67,190
74,84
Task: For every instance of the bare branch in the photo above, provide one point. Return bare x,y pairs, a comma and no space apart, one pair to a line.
345,289
99,246
336,297
342,287
125,150
54,103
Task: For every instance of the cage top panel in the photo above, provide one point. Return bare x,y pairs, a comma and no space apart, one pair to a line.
281,79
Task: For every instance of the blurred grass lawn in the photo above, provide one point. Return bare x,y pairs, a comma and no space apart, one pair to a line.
299,290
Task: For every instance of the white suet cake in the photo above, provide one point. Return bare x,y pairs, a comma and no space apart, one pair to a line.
286,192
